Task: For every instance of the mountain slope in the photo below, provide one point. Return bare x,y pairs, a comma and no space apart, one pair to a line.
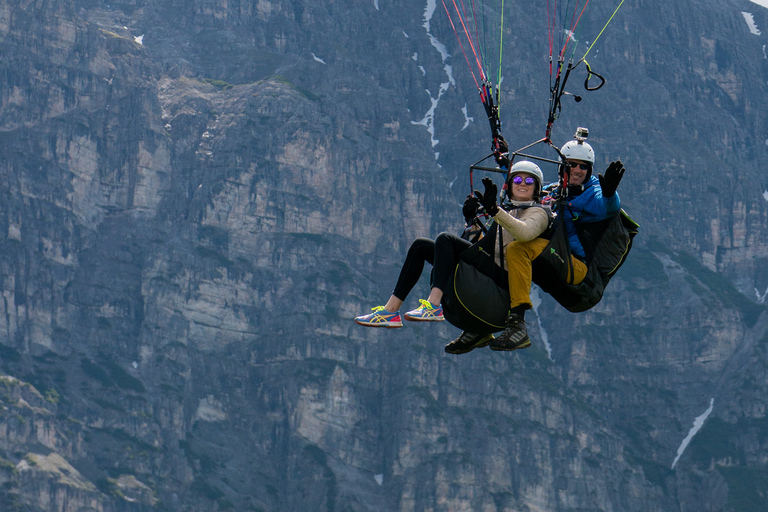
198,197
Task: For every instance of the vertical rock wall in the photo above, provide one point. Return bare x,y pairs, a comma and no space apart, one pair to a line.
197,197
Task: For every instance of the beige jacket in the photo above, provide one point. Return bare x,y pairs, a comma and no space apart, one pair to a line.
520,224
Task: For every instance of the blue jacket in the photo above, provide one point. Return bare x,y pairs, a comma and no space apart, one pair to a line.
589,206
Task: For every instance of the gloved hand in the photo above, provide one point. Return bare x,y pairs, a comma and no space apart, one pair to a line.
501,152
471,205
488,199
610,182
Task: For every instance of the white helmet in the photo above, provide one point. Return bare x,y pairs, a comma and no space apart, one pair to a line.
578,150
528,168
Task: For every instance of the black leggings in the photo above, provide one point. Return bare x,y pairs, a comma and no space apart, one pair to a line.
442,254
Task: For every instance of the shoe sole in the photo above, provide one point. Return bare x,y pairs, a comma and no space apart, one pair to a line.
525,344
419,319
464,350
382,324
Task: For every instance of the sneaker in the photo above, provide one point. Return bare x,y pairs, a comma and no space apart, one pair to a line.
427,312
468,342
514,336
380,318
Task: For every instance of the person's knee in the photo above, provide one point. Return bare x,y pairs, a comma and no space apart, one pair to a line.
445,242
420,245
525,250
421,242
515,250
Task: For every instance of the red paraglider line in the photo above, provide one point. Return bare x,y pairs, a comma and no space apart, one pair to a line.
477,34
460,45
574,24
466,32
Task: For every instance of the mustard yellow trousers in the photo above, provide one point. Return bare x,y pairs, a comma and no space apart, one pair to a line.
519,256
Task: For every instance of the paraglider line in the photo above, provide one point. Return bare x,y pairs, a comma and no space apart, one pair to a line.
501,46
603,29
574,24
450,20
477,32
469,39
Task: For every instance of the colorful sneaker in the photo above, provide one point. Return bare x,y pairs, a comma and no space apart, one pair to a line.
468,342
427,312
380,318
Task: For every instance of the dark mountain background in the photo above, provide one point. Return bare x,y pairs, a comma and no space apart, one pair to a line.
198,196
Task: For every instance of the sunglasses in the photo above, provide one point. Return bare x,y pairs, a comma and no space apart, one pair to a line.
574,165
517,180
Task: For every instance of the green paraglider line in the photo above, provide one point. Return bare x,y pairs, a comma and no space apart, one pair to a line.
574,24
501,46
562,24
480,52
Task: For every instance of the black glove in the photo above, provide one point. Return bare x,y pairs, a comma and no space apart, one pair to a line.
610,182
471,205
488,199
501,152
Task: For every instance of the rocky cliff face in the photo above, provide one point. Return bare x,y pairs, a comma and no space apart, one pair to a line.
197,197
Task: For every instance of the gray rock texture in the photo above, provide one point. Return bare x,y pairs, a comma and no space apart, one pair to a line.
197,197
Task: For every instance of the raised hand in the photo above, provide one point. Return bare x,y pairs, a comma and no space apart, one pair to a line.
471,205
488,199
610,182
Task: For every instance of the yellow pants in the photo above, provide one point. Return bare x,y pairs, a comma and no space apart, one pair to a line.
519,257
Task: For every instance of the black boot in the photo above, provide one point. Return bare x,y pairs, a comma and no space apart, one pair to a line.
468,342
514,336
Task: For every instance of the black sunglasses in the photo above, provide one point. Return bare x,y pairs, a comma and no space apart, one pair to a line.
573,165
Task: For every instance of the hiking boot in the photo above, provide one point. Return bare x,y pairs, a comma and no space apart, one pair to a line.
514,336
427,312
468,342
380,318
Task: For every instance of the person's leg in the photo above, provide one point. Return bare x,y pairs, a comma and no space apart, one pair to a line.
446,253
421,250
519,256
579,270
448,247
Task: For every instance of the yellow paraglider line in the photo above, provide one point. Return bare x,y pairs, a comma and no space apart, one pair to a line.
601,32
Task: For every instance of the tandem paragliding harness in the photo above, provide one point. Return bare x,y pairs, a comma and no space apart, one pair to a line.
606,244
477,297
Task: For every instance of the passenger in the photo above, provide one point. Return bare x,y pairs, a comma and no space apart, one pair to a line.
520,222
589,199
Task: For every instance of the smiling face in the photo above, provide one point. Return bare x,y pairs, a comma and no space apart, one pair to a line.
524,190
578,173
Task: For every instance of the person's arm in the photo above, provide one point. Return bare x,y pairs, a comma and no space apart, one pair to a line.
608,185
593,205
535,220
604,206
